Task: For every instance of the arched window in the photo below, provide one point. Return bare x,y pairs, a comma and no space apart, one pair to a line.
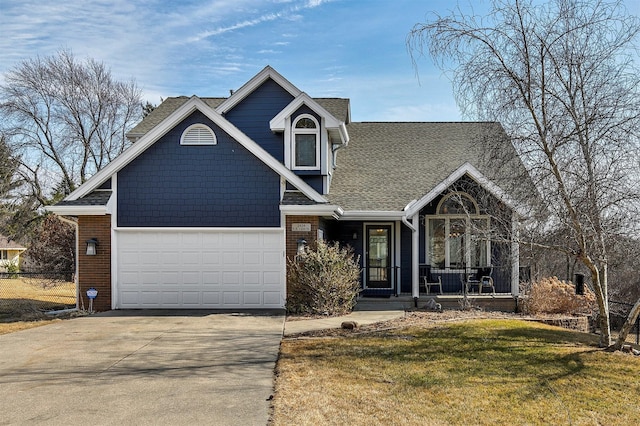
457,235
306,143
457,203
198,134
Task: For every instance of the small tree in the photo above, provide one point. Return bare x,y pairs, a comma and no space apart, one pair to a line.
53,247
323,280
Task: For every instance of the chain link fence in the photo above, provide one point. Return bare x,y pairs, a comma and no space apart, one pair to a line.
31,294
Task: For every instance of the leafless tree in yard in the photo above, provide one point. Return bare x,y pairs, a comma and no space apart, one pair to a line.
66,119
562,78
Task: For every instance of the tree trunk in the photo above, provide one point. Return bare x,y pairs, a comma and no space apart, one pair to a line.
600,289
626,327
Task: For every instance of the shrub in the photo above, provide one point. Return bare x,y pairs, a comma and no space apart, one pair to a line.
553,296
323,280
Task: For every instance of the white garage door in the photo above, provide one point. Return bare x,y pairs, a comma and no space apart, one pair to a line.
200,269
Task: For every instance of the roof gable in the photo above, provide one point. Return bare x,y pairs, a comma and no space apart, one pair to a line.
331,123
253,84
181,113
466,169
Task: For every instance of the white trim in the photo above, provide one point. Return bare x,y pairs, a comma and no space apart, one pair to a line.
255,82
465,169
316,131
112,208
193,104
196,229
365,251
391,215
415,257
187,138
67,210
278,123
312,210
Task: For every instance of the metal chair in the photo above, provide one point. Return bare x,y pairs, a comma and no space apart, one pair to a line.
428,280
486,281
481,279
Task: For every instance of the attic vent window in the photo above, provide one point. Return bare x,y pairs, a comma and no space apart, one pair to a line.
198,134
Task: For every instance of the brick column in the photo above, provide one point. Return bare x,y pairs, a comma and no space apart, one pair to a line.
95,271
292,236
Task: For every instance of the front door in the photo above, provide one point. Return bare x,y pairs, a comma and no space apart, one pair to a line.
378,255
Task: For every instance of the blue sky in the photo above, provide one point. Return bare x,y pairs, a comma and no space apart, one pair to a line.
327,48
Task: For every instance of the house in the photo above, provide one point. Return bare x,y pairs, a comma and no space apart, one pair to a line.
10,252
215,194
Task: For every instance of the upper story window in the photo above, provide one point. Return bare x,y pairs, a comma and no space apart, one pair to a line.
198,134
306,143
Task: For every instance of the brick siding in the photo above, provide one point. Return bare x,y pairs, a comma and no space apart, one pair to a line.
95,271
292,237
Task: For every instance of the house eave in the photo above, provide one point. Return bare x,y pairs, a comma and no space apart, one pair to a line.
70,210
373,215
325,210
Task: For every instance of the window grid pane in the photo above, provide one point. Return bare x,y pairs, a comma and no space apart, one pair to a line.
305,150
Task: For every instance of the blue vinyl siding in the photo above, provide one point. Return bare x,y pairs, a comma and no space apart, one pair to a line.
221,185
253,114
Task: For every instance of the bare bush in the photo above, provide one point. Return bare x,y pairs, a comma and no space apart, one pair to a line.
323,280
554,296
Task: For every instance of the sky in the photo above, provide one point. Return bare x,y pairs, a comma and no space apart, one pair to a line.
327,48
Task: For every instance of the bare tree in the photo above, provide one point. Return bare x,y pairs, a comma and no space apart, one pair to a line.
561,78
67,119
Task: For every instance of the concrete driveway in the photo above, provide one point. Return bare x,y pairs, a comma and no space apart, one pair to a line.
142,368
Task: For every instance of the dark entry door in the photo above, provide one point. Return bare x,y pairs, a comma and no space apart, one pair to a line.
378,256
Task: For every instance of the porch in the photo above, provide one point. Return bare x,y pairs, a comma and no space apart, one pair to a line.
488,302
383,281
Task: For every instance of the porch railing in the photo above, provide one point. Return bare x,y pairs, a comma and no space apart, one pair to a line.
453,279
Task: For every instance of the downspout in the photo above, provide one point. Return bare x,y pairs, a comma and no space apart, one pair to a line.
415,249
75,275
415,283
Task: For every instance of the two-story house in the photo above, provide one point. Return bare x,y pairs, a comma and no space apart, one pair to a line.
215,194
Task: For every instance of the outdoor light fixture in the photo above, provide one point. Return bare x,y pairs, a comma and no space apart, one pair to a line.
91,246
355,235
302,243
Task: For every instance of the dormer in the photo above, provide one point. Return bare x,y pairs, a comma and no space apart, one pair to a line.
312,135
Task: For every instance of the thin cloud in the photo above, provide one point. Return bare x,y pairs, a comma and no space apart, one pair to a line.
289,13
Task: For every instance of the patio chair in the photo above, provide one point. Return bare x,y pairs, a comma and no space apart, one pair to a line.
428,280
485,280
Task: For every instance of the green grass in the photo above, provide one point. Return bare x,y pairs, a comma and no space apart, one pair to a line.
479,372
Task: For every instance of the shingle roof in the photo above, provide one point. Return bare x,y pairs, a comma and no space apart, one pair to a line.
387,165
338,107
296,198
98,197
6,244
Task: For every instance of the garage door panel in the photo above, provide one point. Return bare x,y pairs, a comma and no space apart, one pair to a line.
200,269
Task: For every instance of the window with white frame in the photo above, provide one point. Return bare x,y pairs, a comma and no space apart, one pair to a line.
198,134
457,235
305,143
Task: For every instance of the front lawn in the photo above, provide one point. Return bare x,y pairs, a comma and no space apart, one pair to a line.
476,372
